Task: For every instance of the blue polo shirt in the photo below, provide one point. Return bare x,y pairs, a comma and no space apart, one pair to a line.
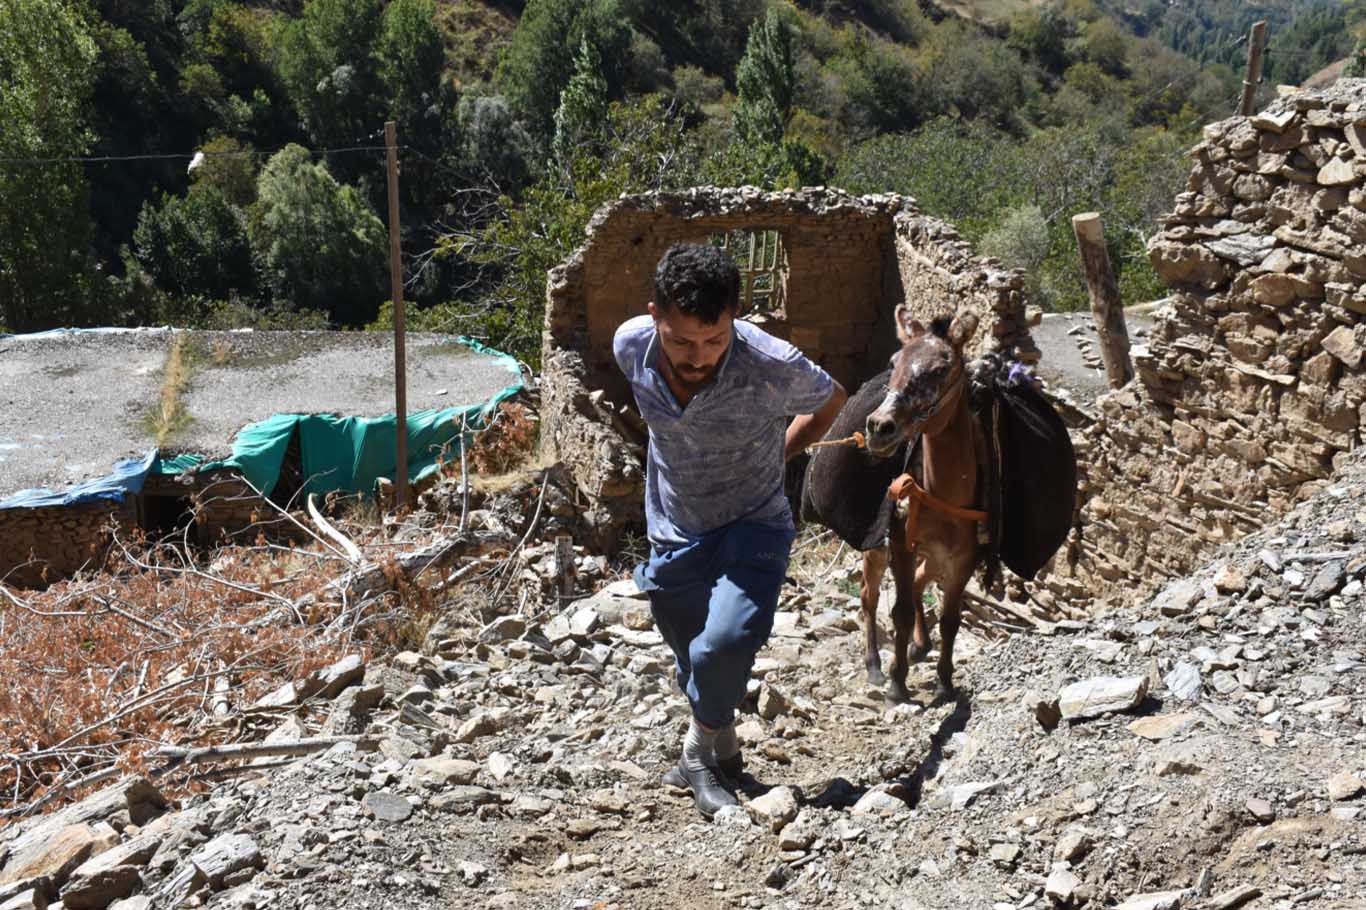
720,459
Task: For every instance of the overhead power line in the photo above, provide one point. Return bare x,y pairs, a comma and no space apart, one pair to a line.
184,156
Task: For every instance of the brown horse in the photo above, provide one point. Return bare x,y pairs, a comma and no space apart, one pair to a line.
927,394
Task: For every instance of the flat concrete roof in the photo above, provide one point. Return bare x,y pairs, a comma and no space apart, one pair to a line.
72,404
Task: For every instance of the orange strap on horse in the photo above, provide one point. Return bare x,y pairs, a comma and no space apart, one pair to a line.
906,487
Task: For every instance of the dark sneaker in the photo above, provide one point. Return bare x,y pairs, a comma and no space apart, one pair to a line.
709,791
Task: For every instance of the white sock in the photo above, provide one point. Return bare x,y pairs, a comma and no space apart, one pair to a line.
699,748
727,743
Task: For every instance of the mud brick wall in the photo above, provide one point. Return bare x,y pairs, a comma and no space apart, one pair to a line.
848,263
39,546
1253,385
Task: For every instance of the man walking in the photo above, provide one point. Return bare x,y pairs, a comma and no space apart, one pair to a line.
716,393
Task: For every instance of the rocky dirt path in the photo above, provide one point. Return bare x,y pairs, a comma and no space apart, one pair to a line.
1211,754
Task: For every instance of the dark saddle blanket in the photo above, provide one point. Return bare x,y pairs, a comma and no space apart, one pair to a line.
1030,481
1033,494
845,488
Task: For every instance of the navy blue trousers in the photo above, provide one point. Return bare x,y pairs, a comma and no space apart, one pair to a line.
713,602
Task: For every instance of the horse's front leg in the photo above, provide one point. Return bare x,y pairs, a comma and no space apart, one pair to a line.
908,618
874,565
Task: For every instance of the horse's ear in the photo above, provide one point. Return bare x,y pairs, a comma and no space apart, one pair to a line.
962,329
907,326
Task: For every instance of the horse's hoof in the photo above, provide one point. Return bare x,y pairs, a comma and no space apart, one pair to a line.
917,652
897,693
943,692
876,677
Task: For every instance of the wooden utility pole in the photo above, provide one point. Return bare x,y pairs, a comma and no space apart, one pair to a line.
1106,308
400,354
1256,42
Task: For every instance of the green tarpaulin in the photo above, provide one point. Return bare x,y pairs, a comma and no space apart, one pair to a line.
351,453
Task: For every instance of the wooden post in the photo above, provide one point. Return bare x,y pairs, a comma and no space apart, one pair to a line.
400,353
1106,308
564,565
1256,42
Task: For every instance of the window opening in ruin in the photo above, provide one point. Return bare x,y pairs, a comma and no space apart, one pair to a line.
759,255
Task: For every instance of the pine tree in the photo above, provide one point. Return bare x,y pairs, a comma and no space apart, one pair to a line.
765,81
583,105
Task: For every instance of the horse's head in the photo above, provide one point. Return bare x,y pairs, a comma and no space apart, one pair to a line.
927,381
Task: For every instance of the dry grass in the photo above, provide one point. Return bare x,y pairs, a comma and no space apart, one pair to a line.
97,672
169,416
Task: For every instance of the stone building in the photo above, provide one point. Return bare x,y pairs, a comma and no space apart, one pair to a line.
820,268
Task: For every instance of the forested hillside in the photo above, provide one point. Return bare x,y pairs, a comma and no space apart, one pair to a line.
220,162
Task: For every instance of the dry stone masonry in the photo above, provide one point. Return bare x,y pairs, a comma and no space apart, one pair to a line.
1252,390
848,262
45,544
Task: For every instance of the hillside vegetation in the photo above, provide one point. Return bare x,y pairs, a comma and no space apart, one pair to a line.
518,119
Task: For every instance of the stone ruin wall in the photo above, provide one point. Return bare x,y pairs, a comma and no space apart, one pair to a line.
38,546
1253,387
42,545
848,262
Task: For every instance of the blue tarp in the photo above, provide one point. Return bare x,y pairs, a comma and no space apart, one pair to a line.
127,477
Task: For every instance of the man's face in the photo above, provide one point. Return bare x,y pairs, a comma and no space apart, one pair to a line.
694,349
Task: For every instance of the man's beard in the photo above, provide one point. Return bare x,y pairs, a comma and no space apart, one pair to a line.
689,375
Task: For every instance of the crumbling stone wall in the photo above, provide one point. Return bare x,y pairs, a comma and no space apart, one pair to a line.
43,545
849,262
1253,386
39,546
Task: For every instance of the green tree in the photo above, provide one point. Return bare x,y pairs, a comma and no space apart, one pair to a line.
765,81
195,245
327,66
410,55
583,107
319,244
1043,34
1107,46
975,76
493,143
229,168
886,87
1356,66
46,77
540,60
1021,240
238,42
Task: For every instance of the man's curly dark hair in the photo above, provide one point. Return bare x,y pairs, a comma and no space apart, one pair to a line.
697,279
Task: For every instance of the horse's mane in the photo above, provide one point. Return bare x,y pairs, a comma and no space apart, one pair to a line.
940,326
